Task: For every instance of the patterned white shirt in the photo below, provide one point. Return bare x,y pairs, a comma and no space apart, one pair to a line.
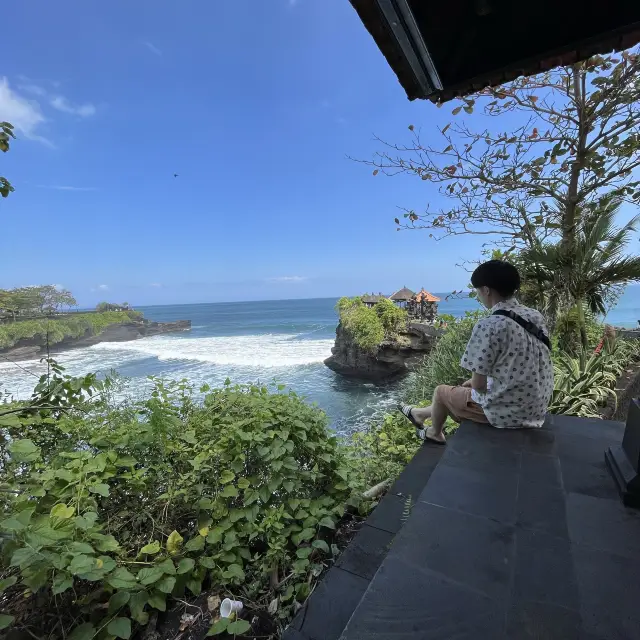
517,365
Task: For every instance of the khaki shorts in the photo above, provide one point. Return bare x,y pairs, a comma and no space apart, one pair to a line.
459,403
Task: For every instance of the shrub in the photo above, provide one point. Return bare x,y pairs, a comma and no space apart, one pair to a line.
107,511
442,364
584,383
567,331
57,329
370,326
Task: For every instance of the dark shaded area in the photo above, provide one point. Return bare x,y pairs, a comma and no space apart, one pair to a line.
476,43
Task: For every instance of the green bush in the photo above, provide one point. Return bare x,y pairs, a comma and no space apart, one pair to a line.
566,336
370,326
57,329
442,364
584,383
107,511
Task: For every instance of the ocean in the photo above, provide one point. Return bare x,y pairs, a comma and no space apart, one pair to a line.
284,341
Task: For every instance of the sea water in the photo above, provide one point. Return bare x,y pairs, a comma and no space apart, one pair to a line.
284,341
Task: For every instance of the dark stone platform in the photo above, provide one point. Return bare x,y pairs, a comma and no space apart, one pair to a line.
517,535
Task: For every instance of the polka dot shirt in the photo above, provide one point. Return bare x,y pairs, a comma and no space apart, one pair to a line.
517,365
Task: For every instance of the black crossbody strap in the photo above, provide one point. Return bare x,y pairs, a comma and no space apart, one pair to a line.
533,329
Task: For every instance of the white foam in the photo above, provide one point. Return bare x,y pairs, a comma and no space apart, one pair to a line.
273,350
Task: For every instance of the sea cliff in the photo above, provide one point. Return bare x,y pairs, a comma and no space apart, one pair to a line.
390,359
36,347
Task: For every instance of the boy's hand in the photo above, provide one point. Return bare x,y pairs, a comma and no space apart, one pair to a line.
467,383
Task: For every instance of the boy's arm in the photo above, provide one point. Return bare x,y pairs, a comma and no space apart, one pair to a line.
479,382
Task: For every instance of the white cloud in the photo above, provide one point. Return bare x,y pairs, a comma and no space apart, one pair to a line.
33,88
64,187
291,279
103,287
62,104
152,47
25,115
156,284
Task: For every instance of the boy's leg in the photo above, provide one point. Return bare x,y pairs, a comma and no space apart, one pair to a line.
437,412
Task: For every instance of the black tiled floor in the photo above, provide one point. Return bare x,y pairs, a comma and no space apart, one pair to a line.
517,535
542,507
544,570
475,492
388,514
604,524
331,605
406,602
610,593
473,551
528,620
366,552
415,475
540,468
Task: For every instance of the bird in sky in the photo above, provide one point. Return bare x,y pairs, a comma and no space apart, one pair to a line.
175,175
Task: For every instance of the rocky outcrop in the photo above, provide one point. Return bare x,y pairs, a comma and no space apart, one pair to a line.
31,348
390,359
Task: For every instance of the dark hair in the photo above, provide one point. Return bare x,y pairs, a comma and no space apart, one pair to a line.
497,275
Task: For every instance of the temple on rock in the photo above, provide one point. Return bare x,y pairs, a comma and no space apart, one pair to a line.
420,307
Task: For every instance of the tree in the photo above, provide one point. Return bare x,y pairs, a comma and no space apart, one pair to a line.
6,133
578,136
592,269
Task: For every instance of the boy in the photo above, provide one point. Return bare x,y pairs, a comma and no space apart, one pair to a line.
509,358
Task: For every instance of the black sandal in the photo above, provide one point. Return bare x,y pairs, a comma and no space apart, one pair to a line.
421,432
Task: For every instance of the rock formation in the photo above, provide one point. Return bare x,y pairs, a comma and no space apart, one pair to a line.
392,358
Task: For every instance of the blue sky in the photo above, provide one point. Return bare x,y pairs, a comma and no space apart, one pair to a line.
256,106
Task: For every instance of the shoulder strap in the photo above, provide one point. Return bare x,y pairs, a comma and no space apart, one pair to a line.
533,329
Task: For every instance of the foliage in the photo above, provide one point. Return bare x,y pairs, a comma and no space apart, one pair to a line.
35,300
56,329
577,135
566,336
584,274
369,326
109,510
6,133
583,384
112,306
442,364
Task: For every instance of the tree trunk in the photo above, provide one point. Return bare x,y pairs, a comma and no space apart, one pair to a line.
583,325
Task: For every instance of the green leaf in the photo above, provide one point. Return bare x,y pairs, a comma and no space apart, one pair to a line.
167,567
62,511
24,450
227,476
327,522
321,544
186,565
195,586
238,627
195,544
174,542
117,601
61,583
136,606
304,552
120,627
85,631
24,557
235,570
80,547
106,543
229,491
219,627
158,601
122,578
6,621
243,483
456,111
100,488
81,564
149,575
151,548
166,584
7,582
